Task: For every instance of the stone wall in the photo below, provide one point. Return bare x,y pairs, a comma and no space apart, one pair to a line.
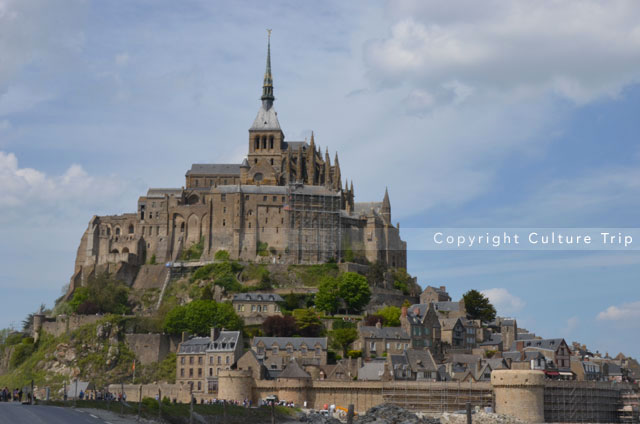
150,277
150,348
67,323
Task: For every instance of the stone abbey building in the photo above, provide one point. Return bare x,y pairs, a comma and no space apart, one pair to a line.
285,203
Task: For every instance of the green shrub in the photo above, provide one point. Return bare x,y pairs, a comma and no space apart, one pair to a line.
221,255
354,354
262,248
152,261
194,252
21,352
13,339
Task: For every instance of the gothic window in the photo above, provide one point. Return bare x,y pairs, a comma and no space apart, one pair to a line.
196,181
255,161
256,143
131,229
117,231
264,142
271,145
182,227
108,231
249,225
271,161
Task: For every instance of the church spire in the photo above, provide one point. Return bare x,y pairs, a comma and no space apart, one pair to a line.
267,86
386,207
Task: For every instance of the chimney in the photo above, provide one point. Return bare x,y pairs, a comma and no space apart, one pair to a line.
213,334
443,288
404,311
184,336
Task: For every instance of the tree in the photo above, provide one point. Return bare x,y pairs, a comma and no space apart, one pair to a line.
199,316
102,294
478,306
355,291
279,326
328,296
391,315
308,322
342,339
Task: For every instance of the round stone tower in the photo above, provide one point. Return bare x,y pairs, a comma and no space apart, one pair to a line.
519,393
38,319
235,385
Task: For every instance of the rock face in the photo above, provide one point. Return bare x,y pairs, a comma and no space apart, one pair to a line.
479,417
392,414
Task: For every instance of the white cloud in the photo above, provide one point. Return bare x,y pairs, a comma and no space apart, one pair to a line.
625,312
30,193
581,50
504,302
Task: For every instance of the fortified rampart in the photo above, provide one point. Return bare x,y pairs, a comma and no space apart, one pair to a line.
150,348
518,393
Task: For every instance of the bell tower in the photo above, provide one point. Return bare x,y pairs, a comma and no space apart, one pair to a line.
266,138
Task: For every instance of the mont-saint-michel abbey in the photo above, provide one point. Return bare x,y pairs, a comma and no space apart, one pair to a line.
285,199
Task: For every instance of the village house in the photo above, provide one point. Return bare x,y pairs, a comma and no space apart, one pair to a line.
380,341
276,352
421,323
254,308
434,294
200,359
413,364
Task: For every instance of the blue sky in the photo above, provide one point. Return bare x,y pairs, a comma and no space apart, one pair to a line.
474,114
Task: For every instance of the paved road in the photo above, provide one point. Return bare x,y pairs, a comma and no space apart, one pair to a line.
15,413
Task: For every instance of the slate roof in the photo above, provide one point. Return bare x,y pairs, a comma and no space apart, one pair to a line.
549,344
495,363
257,297
613,369
447,306
296,342
361,208
226,341
421,360
513,355
280,190
384,332
294,370
195,345
232,169
448,323
526,336
295,145
494,340
267,119
462,358
371,371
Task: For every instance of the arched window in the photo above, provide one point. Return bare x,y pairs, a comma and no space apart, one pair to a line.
271,161
108,231
264,141
131,229
182,227
125,250
256,143
271,142
117,231
115,251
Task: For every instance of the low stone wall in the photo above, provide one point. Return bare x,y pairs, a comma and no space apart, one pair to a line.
67,323
175,392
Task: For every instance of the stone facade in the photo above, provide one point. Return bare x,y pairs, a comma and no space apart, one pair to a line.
200,360
254,308
285,203
378,341
276,352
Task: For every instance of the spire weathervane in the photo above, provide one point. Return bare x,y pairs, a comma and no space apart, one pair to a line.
267,86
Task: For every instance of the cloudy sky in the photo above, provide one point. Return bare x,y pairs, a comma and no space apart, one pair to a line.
474,114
